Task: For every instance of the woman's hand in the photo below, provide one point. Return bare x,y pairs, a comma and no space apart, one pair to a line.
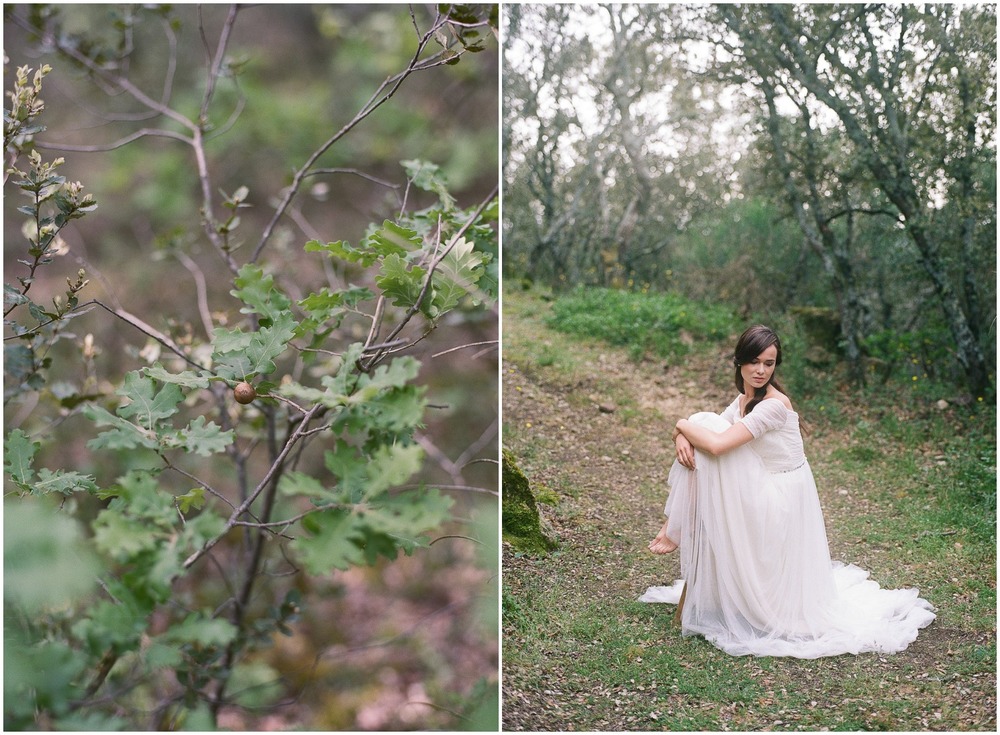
685,452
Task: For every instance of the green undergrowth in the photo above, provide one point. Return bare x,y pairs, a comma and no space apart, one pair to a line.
908,488
663,324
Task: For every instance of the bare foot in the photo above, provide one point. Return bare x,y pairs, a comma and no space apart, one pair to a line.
661,544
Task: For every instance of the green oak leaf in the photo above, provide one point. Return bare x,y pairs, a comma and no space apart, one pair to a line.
407,516
64,483
229,340
365,476
400,284
257,291
268,343
122,537
147,405
123,435
457,275
343,250
18,454
397,410
186,379
201,630
335,541
305,485
193,498
392,239
428,176
340,539
46,559
201,437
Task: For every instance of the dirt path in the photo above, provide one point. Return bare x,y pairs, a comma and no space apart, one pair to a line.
592,440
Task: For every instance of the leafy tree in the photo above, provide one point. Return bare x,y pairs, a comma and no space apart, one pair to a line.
881,75
611,154
251,461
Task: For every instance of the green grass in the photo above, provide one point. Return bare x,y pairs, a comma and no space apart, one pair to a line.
663,324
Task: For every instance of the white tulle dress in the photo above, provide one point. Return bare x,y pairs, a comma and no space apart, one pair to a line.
754,553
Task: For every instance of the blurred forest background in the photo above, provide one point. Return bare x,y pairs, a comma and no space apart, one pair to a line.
410,644
827,168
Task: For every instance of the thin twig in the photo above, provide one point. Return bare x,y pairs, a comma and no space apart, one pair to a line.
121,142
284,523
470,488
216,64
201,288
455,535
114,79
126,317
484,440
355,172
463,347
201,483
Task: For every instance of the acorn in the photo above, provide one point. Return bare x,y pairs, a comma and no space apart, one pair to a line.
244,393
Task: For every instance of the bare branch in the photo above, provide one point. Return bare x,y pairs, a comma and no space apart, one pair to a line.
289,521
201,483
469,488
216,67
465,347
202,290
116,80
126,317
354,171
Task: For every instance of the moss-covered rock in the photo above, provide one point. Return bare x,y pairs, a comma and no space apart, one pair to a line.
521,525
821,327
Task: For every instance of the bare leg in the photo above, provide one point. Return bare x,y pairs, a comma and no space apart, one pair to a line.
661,544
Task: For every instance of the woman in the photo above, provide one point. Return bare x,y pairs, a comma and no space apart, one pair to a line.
744,511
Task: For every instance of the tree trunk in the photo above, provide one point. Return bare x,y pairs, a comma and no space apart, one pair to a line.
833,254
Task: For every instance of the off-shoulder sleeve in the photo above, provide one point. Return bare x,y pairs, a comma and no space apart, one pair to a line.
766,416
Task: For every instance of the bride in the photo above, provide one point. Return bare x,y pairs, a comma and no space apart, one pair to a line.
744,511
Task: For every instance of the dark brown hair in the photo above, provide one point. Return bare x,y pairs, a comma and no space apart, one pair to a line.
751,343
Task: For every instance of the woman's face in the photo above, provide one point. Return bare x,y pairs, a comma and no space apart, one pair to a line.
758,371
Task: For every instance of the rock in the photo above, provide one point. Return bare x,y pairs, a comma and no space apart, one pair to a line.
521,523
606,407
941,405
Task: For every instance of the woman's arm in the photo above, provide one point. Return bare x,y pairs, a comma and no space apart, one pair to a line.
713,442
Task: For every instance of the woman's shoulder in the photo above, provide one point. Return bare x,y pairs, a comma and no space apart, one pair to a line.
773,394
